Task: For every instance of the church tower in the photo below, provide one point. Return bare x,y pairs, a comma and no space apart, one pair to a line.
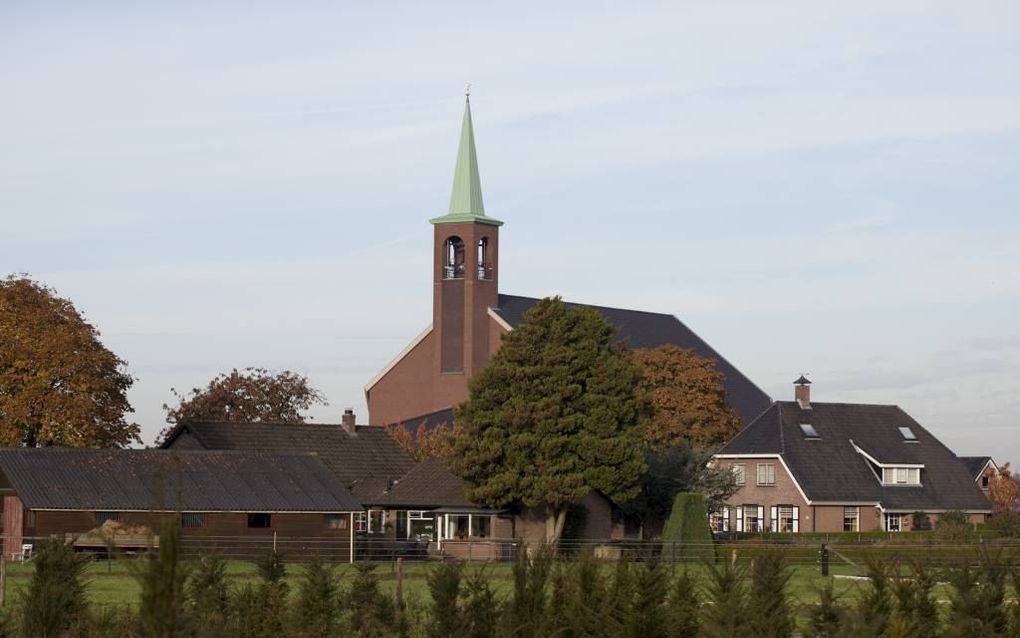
465,268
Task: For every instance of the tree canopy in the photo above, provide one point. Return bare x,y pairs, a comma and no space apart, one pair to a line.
59,385
1004,491
426,442
247,396
688,399
555,415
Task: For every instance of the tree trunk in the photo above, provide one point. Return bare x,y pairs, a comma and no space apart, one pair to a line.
555,518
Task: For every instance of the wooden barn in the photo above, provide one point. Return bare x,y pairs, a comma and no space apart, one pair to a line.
233,502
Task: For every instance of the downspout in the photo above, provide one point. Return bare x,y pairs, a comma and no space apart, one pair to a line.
352,538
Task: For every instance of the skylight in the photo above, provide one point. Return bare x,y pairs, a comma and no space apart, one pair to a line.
908,434
809,431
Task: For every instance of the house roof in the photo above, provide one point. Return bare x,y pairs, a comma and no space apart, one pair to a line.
649,330
192,480
976,464
830,468
369,453
429,484
429,421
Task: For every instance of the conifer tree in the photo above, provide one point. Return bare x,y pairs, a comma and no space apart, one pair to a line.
528,604
162,577
316,610
480,607
444,583
770,611
683,607
825,619
371,611
648,617
726,613
56,593
916,612
554,416
207,597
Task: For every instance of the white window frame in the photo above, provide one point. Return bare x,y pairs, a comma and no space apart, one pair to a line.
361,521
381,515
719,520
739,473
856,516
743,522
770,474
901,475
899,522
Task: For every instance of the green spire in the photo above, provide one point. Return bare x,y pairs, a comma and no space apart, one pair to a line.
466,201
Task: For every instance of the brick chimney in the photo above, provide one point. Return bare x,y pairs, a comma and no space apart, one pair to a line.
802,392
348,420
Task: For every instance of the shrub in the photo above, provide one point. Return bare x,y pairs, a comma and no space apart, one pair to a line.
954,527
976,607
919,522
480,608
56,593
207,597
1005,523
687,532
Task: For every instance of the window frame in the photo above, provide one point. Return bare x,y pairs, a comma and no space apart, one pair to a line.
102,516
739,473
361,521
770,468
254,517
888,522
376,519
189,519
334,520
855,517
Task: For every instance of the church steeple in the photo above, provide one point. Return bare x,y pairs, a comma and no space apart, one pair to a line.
466,200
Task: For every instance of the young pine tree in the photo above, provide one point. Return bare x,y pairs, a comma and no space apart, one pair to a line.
683,608
162,577
480,606
55,598
725,614
208,598
825,619
873,609
316,611
527,606
916,612
648,614
770,612
444,583
977,603
371,612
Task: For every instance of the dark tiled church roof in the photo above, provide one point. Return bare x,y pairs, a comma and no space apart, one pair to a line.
649,330
975,464
370,453
829,468
192,480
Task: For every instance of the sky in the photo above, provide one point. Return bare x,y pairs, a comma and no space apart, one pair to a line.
830,188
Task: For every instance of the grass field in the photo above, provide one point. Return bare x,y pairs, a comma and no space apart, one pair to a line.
114,583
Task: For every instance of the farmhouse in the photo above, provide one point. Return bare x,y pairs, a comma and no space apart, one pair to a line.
804,466
213,495
470,317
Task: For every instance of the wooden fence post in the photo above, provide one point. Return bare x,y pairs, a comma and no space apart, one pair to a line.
825,559
3,579
398,590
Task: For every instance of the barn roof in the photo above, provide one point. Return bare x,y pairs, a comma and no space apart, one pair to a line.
192,480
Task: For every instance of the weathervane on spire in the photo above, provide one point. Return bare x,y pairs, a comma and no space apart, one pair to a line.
467,89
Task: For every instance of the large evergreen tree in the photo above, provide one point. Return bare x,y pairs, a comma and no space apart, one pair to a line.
555,415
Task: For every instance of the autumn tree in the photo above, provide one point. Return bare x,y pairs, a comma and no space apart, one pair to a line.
1003,490
554,416
59,385
426,442
688,399
246,396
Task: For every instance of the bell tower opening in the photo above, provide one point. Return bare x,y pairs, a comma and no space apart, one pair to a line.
453,255
485,269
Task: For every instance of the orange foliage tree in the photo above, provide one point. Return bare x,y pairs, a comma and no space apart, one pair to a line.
1003,490
425,442
59,385
688,399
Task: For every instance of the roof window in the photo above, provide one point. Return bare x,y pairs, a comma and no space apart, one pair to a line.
908,434
809,431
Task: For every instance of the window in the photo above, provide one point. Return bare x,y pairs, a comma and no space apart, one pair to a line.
192,520
376,521
335,521
787,518
738,474
360,522
481,526
901,475
484,267
851,519
720,520
102,517
908,434
453,258
892,522
766,474
750,518
260,520
984,481
809,431
421,526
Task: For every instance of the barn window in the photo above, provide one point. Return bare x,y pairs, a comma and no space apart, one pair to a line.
260,520
335,521
102,517
453,258
192,520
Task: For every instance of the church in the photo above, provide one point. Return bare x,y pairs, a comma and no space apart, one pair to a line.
470,316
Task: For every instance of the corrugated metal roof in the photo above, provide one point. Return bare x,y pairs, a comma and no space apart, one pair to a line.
191,480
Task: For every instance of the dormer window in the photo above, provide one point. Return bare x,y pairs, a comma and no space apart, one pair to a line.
453,258
908,434
809,431
901,476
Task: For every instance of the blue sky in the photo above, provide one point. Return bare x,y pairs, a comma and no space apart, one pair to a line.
830,188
